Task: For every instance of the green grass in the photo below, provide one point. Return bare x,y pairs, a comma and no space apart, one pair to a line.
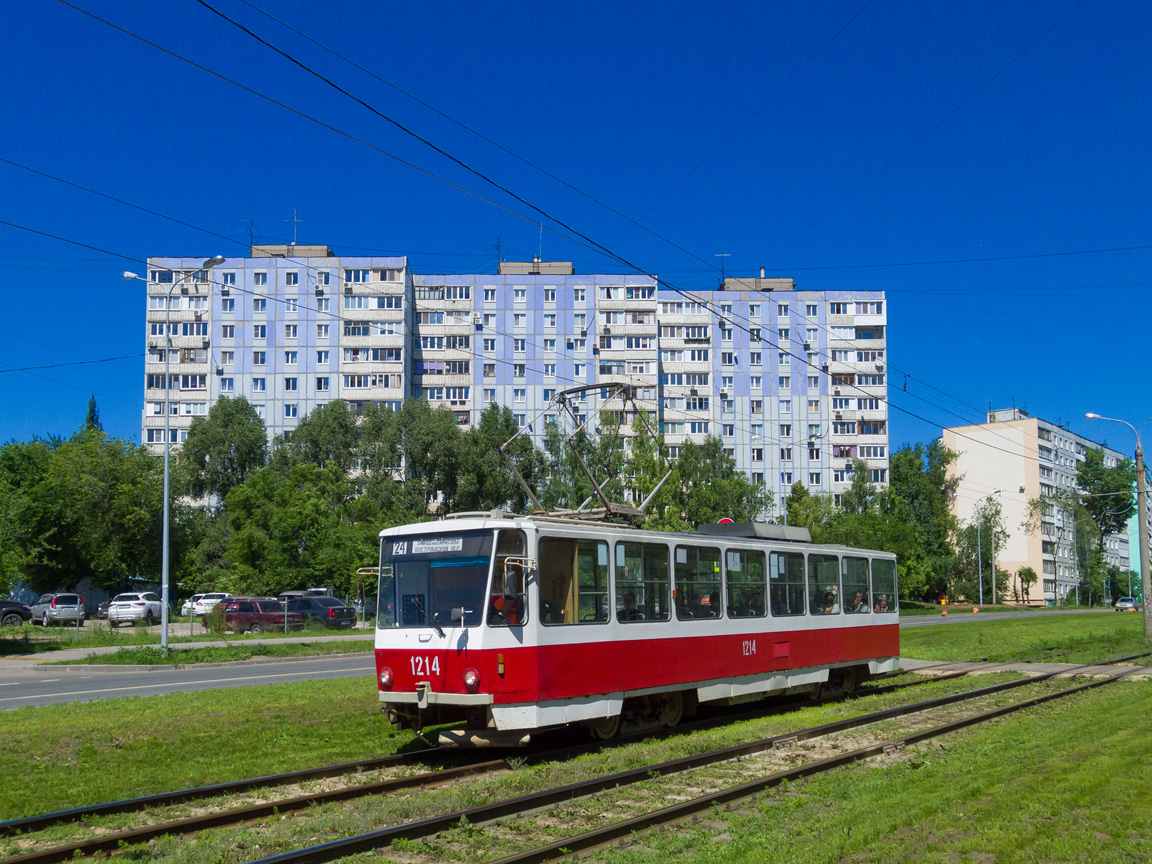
1065,782
149,655
1085,638
58,756
97,634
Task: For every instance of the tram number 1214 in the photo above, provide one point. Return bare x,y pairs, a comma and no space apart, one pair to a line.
749,647
422,665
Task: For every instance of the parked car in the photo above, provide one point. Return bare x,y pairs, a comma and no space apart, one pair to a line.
13,613
328,611
127,608
1127,604
207,602
57,608
186,609
257,614
102,610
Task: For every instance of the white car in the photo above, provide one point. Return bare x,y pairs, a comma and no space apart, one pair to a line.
127,608
190,604
207,603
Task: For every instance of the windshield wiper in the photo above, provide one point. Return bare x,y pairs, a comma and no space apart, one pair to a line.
419,604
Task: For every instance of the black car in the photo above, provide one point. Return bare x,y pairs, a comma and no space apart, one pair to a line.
13,613
328,611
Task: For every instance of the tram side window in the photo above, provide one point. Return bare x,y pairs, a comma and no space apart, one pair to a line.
786,583
573,581
507,601
642,582
854,573
698,583
745,572
824,584
884,586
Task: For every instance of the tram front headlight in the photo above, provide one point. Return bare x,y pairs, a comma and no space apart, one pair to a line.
471,680
386,678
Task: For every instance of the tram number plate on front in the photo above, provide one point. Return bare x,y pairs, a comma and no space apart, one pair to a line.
424,666
749,647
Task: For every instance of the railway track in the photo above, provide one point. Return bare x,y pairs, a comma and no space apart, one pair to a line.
426,827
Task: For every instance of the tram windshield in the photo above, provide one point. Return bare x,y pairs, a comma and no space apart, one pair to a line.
432,575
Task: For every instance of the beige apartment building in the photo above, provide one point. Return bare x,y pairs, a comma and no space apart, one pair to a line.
1014,459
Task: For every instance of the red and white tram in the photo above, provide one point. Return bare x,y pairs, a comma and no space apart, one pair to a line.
510,624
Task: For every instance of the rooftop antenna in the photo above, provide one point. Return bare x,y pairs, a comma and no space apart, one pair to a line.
722,256
251,231
295,221
499,255
540,256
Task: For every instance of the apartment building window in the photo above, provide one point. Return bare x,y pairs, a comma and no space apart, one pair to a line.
227,358
696,355
520,420
519,345
841,356
879,475
550,320
725,382
757,454
699,427
489,295
290,331
726,334
813,406
490,395
259,305
754,358
870,404
323,304
194,328
785,430
785,454
870,307
228,279
519,295
291,278
757,406
754,382
322,358
549,295
785,358
873,427
813,430
785,406
549,344
322,384
290,357
728,406
258,385
228,331
291,304
549,370
841,403
727,358
290,385
259,409
489,344
813,382
227,305
784,382
784,334
843,427
259,278
290,410
813,454
841,475
520,319
728,430
578,320
578,370
579,294
754,310
518,370
838,309
357,275
258,358
813,478
811,310
869,356
260,331
872,451
785,478
519,394
227,385
782,310
323,278
322,331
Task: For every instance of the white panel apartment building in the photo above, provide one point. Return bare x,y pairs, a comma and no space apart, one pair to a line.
1016,459
792,382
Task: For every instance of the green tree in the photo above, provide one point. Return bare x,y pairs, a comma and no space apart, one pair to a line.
1106,493
709,487
222,449
92,421
484,480
328,435
1025,578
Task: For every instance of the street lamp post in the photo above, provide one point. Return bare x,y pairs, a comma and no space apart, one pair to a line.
208,265
1142,516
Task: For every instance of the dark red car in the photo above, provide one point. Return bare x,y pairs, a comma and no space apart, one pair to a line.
256,614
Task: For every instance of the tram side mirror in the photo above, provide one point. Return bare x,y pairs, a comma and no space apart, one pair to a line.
458,613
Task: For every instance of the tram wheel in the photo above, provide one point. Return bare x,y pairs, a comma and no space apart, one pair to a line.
606,728
849,678
672,708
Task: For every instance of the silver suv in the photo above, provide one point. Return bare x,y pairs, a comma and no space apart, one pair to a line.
56,608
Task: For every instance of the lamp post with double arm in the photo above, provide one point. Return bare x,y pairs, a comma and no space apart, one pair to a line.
1142,516
207,265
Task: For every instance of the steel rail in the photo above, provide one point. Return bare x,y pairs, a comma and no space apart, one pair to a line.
422,828
683,810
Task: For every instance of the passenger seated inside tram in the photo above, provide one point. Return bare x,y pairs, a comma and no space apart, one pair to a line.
881,605
682,607
503,609
713,608
831,607
858,604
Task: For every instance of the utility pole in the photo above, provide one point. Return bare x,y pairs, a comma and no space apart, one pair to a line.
980,551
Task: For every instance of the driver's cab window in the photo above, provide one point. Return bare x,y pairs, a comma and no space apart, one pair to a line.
507,600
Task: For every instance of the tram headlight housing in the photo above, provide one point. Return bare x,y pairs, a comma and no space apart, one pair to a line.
471,680
386,678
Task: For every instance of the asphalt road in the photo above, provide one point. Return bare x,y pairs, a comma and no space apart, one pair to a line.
49,685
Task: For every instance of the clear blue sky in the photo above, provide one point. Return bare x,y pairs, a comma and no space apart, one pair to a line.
841,143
